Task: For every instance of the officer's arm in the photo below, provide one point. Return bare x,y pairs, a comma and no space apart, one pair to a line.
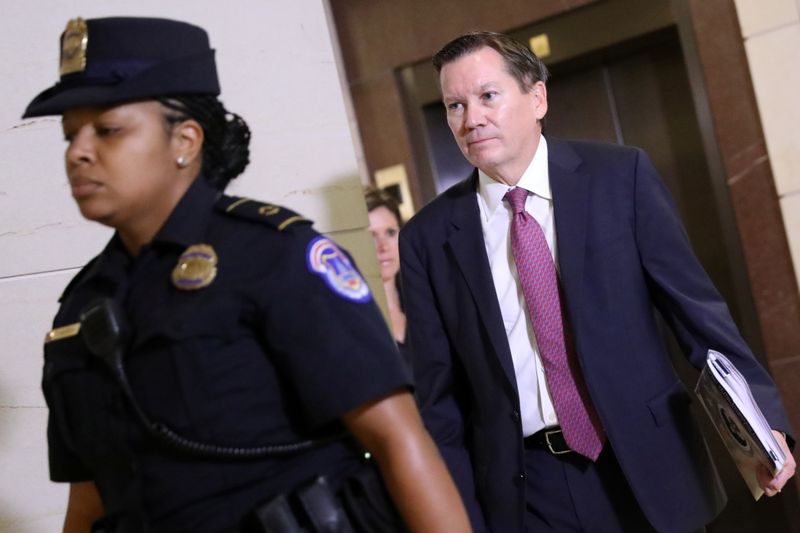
414,473
83,507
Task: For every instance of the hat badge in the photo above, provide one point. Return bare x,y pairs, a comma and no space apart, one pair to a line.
73,47
196,268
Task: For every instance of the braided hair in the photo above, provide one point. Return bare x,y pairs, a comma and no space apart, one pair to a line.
226,148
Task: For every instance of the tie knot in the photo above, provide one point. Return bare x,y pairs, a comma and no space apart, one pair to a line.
516,199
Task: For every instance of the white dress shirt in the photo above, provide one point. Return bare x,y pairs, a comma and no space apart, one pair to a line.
536,406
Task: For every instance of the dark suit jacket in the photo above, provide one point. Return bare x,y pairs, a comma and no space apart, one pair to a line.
622,251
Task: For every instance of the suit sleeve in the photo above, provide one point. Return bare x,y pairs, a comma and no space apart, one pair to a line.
686,296
436,374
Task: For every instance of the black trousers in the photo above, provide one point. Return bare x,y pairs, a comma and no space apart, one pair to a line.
569,493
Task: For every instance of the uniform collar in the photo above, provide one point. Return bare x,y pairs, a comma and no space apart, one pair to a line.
187,223
535,179
109,267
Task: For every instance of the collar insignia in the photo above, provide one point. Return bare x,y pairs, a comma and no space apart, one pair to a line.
63,332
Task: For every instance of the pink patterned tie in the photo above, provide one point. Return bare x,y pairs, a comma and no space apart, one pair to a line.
537,274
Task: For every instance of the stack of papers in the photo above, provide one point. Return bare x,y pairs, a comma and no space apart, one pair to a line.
727,399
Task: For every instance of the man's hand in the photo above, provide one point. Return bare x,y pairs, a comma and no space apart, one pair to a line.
773,485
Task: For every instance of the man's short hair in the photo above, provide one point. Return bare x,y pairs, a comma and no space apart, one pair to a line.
520,62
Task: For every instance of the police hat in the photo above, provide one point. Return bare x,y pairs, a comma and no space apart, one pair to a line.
112,60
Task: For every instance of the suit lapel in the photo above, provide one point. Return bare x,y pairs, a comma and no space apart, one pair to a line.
467,246
570,189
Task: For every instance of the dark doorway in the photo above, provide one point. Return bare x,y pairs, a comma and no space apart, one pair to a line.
638,93
634,93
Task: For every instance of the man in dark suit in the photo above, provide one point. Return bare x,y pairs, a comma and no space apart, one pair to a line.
546,424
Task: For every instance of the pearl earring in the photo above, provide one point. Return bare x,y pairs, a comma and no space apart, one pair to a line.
181,161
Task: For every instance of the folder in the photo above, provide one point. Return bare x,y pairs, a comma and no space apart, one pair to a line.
726,397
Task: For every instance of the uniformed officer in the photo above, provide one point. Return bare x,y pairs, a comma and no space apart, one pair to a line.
202,365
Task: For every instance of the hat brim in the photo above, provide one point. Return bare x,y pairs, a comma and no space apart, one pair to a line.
43,105
193,75
48,103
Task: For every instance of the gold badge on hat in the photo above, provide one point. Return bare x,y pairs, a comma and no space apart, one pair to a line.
73,47
196,268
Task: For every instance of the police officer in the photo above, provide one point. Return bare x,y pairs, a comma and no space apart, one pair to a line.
202,366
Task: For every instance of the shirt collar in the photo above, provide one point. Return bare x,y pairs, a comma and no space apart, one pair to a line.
536,179
186,225
110,265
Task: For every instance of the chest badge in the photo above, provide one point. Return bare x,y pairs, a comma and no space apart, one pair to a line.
196,268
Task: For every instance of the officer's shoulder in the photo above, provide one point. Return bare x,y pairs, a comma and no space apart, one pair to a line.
274,216
82,274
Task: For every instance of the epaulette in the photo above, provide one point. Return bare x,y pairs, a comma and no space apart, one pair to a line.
277,216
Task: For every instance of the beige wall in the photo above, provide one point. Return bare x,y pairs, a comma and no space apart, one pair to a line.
771,32
278,69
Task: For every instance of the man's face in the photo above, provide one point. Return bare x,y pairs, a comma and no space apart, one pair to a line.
495,123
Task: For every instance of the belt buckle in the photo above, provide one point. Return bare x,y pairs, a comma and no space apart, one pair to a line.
550,444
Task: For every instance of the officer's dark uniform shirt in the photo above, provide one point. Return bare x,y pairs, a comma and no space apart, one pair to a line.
271,351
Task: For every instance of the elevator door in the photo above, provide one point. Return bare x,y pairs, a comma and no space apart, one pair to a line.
641,96
636,94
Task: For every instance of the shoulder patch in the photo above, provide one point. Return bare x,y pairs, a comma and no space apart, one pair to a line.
276,216
329,262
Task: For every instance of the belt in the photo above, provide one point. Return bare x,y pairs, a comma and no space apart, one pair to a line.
551,439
